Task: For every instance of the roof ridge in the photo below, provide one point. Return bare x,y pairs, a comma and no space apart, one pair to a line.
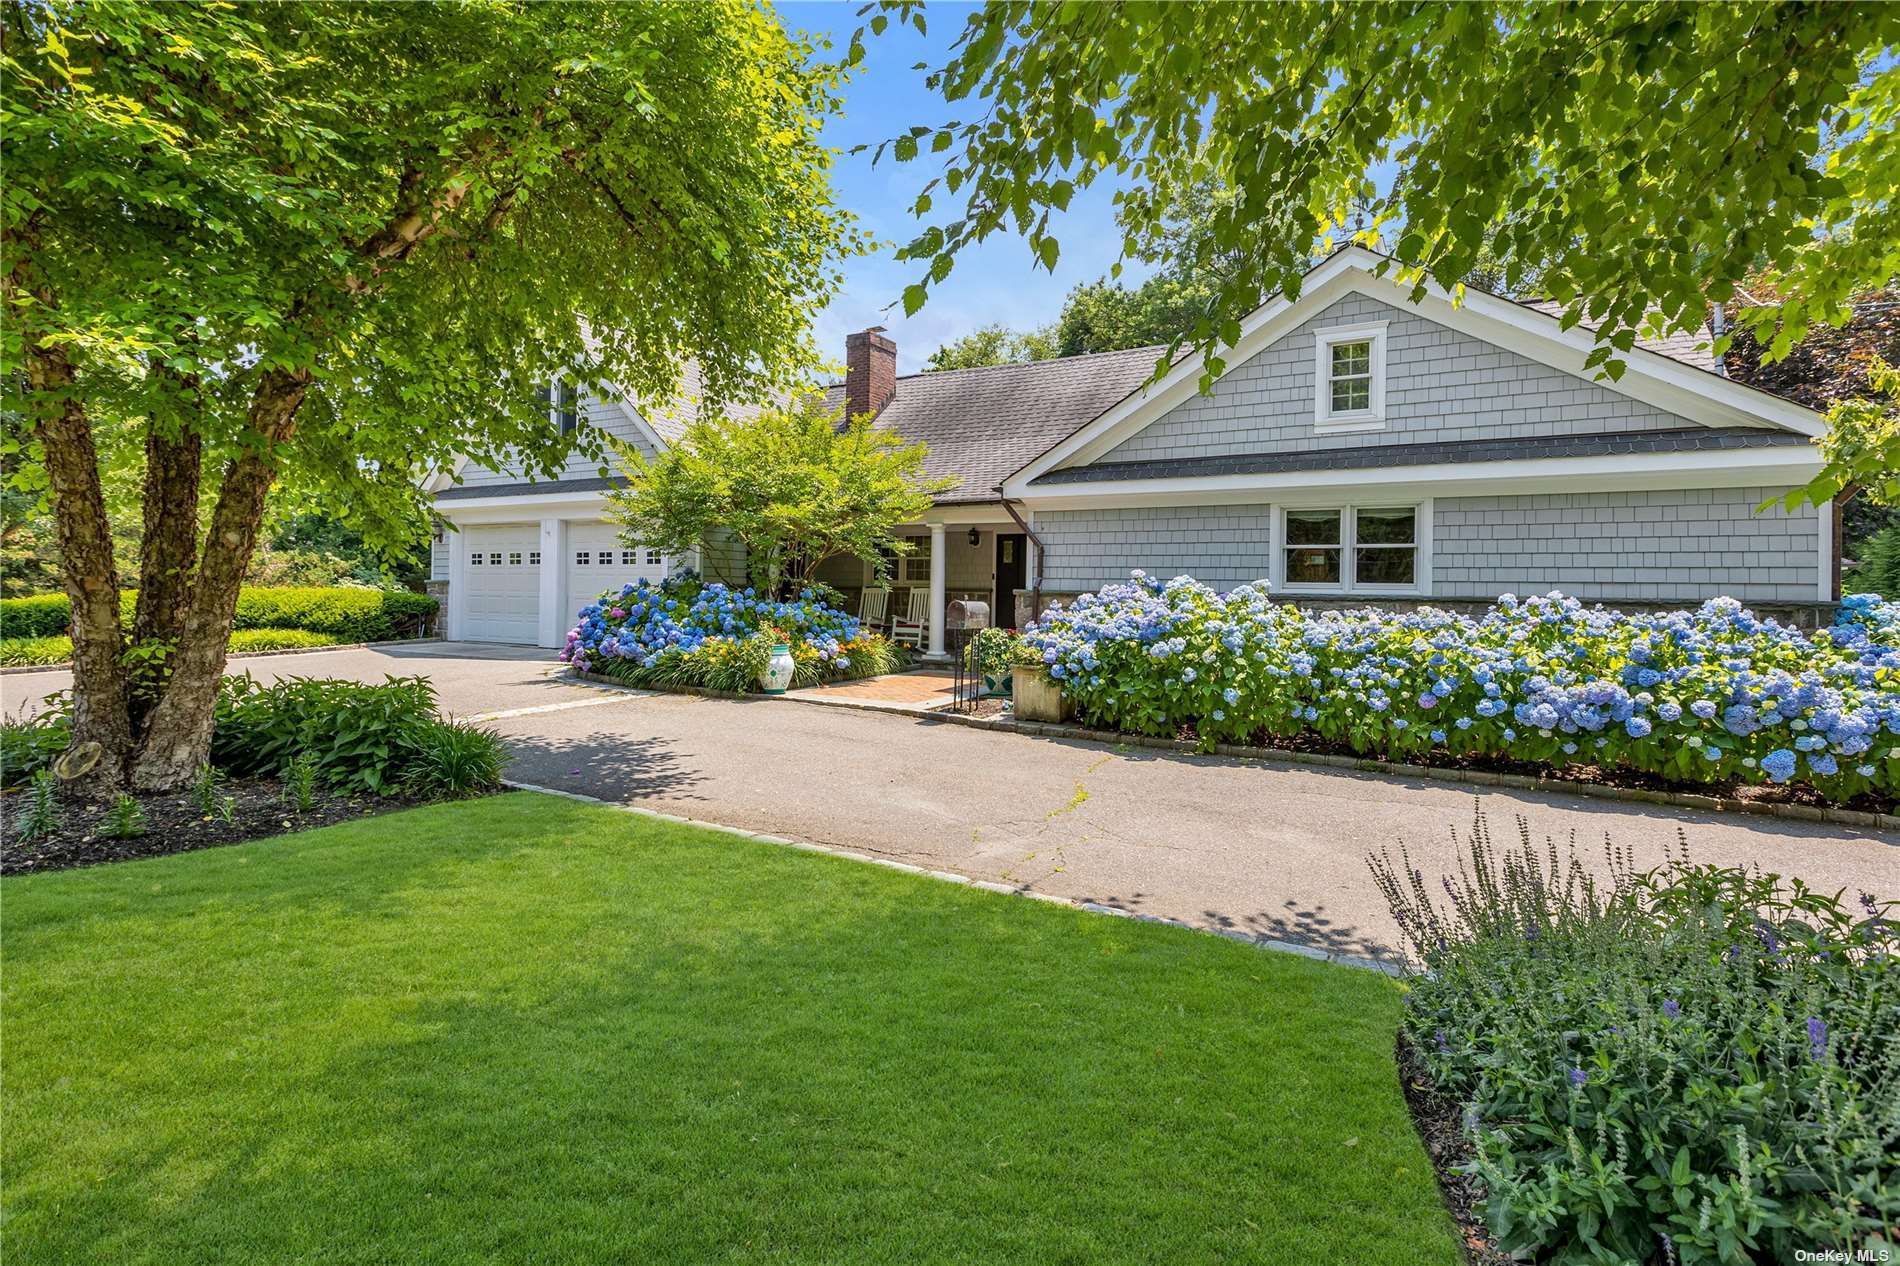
1030,364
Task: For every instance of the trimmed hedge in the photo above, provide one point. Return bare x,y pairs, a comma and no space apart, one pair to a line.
16,652
346,614
47,615
350,615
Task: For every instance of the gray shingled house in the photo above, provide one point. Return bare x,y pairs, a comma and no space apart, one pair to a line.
1360,448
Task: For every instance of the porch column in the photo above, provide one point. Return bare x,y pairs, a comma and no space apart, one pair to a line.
937,605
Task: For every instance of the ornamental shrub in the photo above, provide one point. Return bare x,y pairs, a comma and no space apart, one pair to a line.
43,615
30,744
33,651
684,632
346,613
1697,696
26,652
358,737
1693,1064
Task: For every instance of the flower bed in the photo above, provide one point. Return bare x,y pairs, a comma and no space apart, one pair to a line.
1690,1064
1706,696
686,633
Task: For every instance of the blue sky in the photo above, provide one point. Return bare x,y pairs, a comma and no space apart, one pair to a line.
993,282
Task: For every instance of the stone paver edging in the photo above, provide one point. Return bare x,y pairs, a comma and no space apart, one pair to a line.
1468,777
987,885
11,669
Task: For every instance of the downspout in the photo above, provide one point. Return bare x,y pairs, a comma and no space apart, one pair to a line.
1718,326
1035,577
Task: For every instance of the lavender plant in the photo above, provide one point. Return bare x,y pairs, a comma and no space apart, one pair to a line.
1692,1063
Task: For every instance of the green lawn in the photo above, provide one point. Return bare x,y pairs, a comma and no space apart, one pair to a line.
524,1029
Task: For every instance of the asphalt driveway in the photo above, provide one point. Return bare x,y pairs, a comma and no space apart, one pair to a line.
1278,850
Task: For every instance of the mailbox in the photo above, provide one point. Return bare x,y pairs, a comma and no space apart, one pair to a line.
967,614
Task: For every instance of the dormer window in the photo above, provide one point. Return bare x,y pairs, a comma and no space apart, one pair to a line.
560,400
1349,378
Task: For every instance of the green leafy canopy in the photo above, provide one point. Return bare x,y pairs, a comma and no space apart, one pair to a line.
796,485
429,208
1640,158
1862,446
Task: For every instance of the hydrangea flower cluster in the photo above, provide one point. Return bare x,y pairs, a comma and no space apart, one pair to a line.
644,625
1695,696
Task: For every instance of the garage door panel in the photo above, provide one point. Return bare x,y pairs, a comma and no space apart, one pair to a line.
502,602
598,561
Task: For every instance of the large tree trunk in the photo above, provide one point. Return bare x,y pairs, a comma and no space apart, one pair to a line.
92,582
178,732
168,551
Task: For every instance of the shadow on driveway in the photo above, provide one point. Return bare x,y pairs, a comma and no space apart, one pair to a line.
608,766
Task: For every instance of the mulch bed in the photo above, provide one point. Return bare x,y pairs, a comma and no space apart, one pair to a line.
988,706
174,824
1440,1123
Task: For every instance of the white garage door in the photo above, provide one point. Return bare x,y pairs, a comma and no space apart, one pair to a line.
504,583
598,560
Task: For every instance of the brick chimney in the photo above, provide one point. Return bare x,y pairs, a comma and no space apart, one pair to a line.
870,371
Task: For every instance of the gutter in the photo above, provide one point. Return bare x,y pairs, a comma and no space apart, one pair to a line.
1035,578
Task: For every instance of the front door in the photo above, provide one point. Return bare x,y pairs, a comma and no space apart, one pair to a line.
1012,573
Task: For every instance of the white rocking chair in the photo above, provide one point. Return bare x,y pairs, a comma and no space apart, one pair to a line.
873,607
914,625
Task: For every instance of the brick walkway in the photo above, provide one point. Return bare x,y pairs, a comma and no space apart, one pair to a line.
922,689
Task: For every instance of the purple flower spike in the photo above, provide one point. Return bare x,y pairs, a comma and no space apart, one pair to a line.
1671,1008
1817,1036
1579,1078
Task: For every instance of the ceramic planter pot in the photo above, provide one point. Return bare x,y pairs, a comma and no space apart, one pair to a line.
778,671
1038,697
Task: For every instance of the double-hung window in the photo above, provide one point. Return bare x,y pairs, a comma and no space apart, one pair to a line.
561,400
1352,549
1349,378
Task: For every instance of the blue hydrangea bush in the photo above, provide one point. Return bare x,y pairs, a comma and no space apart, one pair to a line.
683,632
1710,695
1691,1064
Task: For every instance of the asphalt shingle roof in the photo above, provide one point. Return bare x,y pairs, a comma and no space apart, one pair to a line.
982,425
1691,347
1692,439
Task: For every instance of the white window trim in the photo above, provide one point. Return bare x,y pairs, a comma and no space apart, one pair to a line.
1348,585
1324,419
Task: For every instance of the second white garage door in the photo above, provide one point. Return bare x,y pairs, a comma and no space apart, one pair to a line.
504,583
598,560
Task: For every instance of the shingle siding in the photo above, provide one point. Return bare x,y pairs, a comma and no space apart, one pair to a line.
1441,386
1221,545
1678,546
722,558
1673,546
603,414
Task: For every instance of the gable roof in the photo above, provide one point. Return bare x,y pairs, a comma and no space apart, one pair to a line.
982,424
1654,375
